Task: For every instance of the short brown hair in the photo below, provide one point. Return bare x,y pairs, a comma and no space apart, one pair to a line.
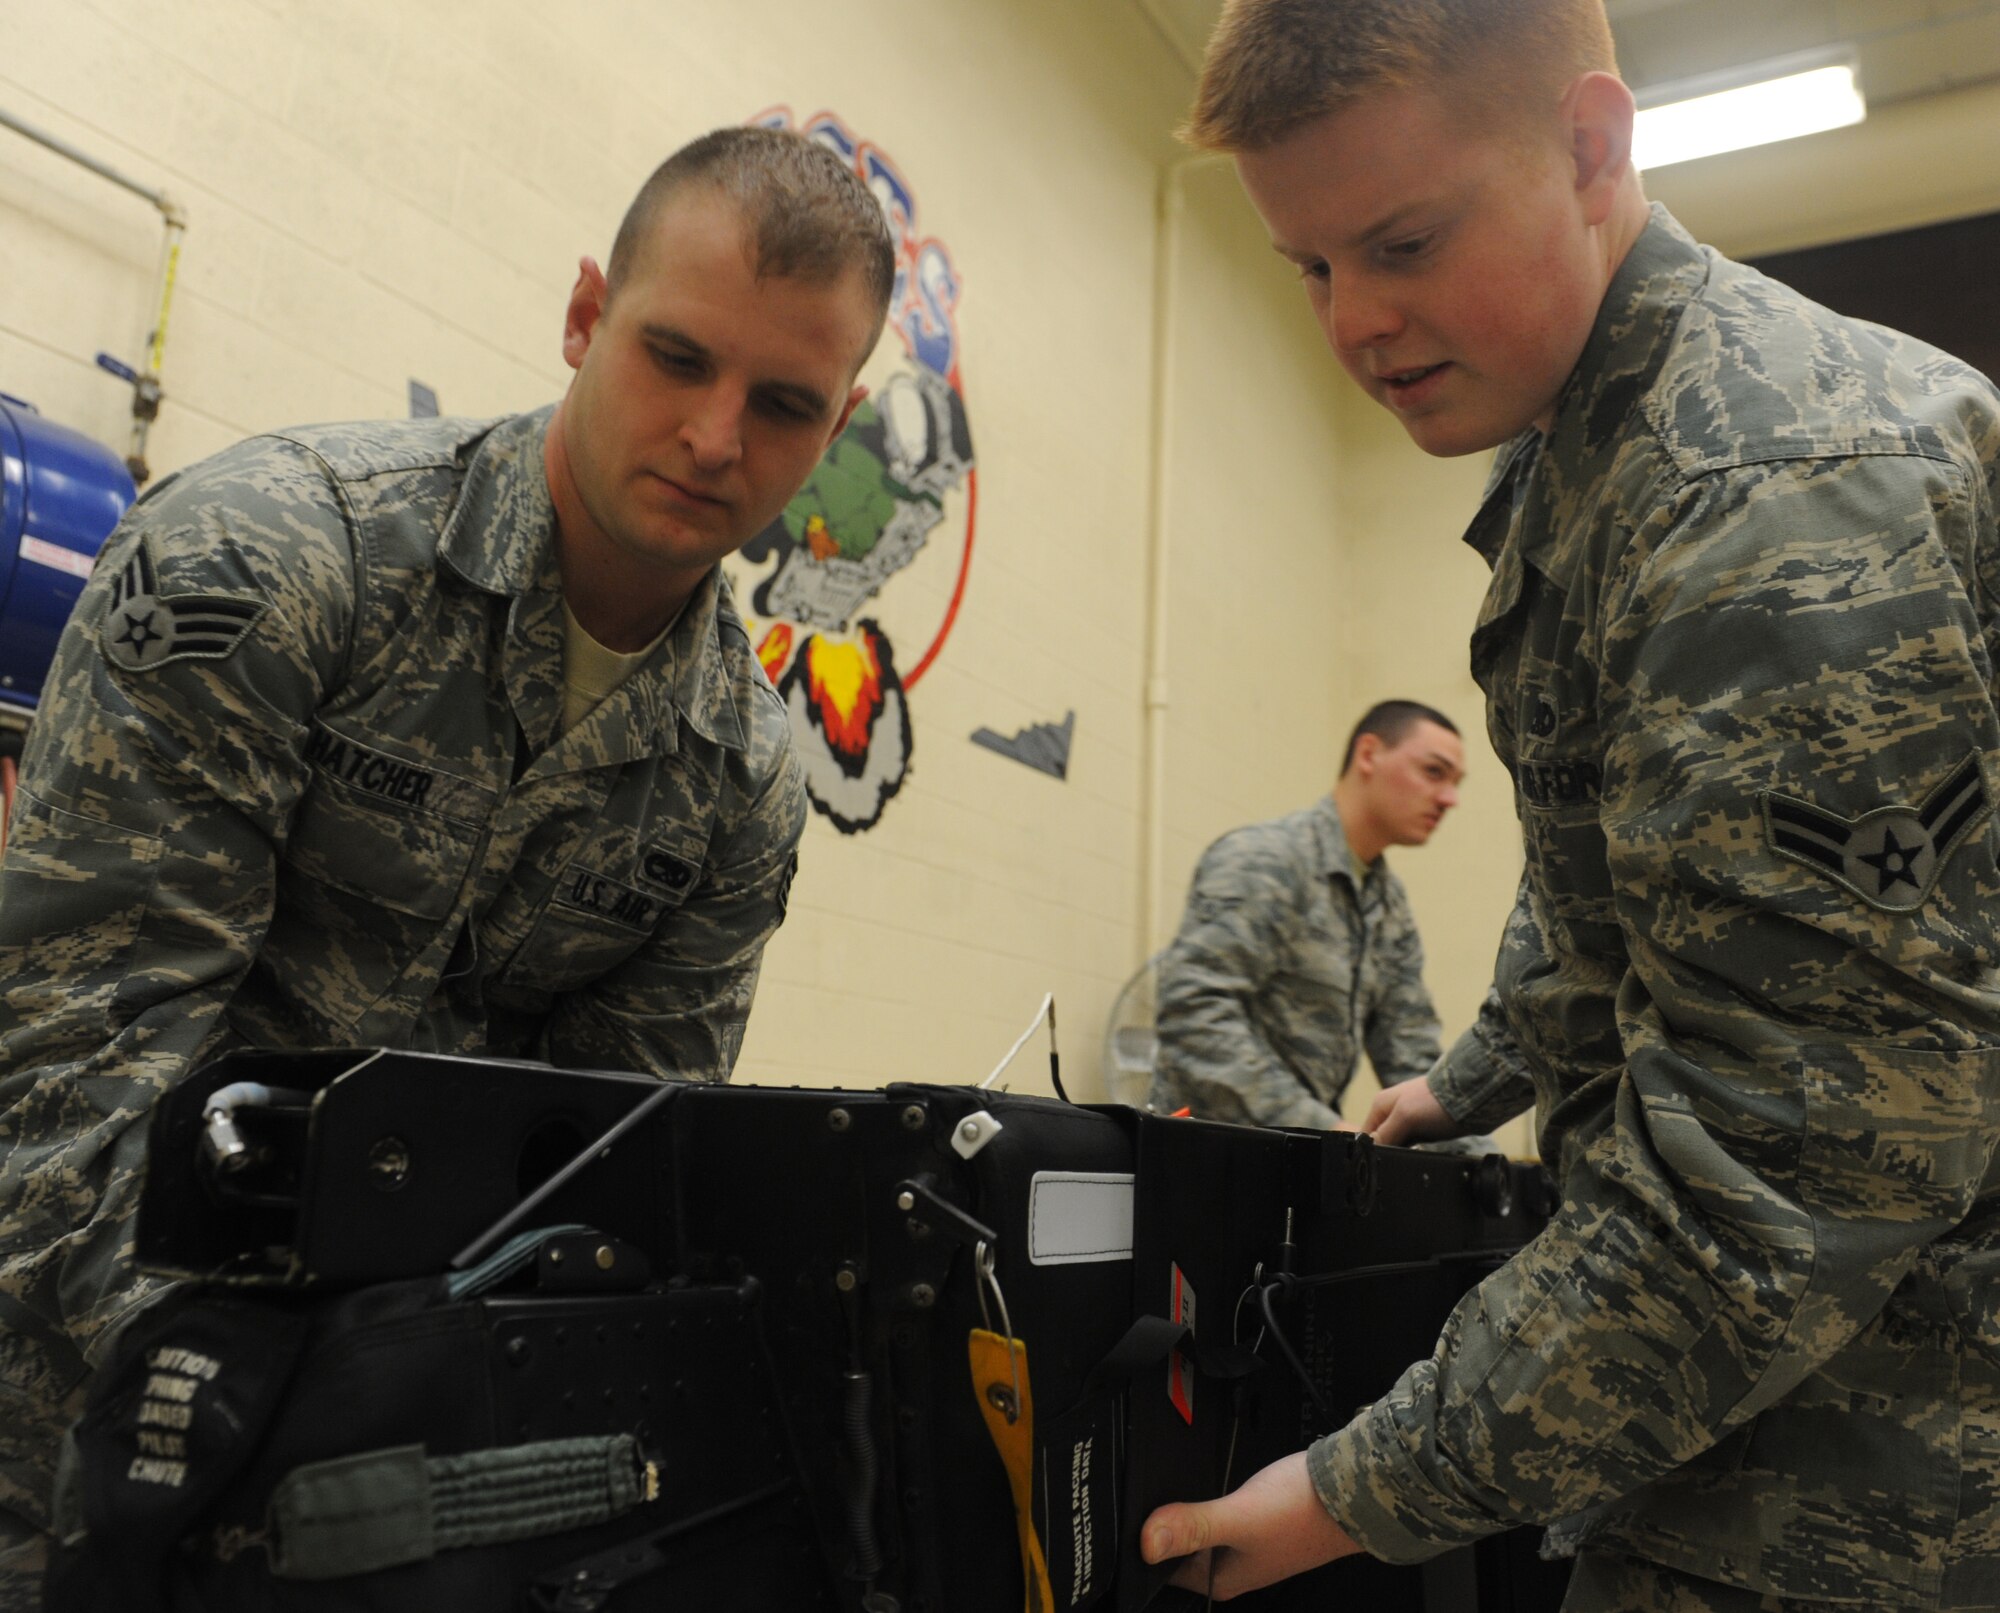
1273,65
1391,722
809,214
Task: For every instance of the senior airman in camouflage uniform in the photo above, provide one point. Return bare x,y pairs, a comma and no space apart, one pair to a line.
308,772
1754,975
1738,654
1298,947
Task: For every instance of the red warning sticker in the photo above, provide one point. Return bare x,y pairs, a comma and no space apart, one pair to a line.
1180,1376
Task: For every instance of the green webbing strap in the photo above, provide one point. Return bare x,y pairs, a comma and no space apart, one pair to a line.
357,1514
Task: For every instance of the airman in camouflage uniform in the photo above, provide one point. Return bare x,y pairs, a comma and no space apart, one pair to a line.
1289,961
1754,975
1738,654
1298,947
302,776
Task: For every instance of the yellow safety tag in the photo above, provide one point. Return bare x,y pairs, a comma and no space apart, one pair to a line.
1000,1379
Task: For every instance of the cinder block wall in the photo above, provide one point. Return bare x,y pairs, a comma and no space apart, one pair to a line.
384,191
379,192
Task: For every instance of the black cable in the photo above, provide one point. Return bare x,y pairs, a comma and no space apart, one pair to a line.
1291,1356
1055,1064
859,1501
1228,1474
1286,1282
1393,1268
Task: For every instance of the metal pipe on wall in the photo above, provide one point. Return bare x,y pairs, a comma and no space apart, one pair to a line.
146,389
1172,201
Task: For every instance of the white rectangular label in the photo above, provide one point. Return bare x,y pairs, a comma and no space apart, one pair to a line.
1079,1216
56,557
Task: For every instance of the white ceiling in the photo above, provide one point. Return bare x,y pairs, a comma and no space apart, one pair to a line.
1906,48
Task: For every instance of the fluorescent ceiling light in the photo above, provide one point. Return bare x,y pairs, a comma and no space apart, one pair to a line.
1696,125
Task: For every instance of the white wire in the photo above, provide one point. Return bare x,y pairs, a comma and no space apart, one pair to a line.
1048,1002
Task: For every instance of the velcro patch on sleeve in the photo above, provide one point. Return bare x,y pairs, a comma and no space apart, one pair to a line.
672,873
142,629
1890,857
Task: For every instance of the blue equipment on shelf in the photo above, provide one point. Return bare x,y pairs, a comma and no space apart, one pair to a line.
60,495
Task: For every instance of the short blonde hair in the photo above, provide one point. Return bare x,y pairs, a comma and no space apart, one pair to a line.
1273,65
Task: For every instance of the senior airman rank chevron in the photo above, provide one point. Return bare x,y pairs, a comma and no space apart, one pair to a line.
1890,857
142,631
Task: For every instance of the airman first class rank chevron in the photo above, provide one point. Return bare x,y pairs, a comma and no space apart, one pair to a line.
1890,857
142,631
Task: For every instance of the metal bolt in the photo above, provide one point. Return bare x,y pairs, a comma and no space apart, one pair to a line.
605,1258
389,1163
555,1257
845,1281
906,1200
923,1296
839,1119
969,1129
914,1117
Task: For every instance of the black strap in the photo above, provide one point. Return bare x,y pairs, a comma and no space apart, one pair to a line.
1150,1340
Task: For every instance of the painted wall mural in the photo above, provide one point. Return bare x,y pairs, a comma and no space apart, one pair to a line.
885,523
1044,746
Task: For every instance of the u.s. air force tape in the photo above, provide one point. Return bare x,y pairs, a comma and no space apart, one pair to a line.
1890,857
143,630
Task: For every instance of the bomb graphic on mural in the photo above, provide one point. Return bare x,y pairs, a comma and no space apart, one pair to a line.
884,524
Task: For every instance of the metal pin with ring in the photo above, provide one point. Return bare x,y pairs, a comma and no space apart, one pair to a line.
982,1260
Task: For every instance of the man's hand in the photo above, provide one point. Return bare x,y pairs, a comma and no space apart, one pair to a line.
1407,1113
1268,1530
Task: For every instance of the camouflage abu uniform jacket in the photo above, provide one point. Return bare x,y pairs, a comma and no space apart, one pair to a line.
1739,656
1283,970
1484,1080
297,782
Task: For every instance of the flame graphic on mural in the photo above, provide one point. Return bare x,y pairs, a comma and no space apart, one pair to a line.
847,708
772,649
844,694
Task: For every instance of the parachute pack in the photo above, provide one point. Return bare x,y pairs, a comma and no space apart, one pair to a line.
475,1333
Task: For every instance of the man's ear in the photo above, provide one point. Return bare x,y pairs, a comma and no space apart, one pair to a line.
1600,120
847,413
587,299
1366,749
